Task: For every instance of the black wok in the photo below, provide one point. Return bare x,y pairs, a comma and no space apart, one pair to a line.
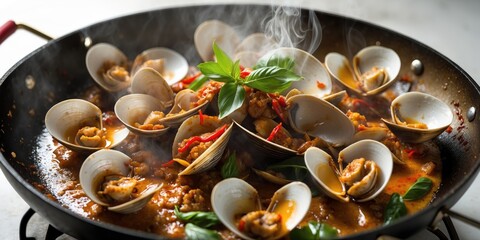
60,73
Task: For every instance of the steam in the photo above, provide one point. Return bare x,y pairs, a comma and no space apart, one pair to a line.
285,24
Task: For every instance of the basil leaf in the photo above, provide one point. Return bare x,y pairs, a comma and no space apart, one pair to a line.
314,231
230,98
230,169
419,189
215,72
271,79
282,62
195,232
198,83
223,60
395,209
236,70
292,168
201,219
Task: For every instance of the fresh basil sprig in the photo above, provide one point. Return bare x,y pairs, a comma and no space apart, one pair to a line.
419,189
230,168
195,232
314,231
201,219
395,209
269,78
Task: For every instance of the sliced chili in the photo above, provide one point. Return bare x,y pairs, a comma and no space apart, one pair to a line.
241,225
245,72
211,137
200,114
321,85
189,80
278,109
274,132
169,163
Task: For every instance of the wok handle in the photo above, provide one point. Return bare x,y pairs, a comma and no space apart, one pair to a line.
10,27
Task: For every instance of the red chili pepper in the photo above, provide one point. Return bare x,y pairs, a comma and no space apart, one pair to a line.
274,132
168,164
278,109
321,85
189,80
357,102
245,72
209,138
411,152
200,114
241,225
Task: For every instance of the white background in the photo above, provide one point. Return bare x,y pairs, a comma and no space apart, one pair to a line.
450,27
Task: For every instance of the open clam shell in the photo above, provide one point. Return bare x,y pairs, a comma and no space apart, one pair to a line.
64,119
329,123
97,56
323,169
316,80
135,108
414,108
104,163
171,64
149,81
292,201
183,108
366,59
196,126
215,31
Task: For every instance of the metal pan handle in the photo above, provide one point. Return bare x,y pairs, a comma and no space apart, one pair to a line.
7,29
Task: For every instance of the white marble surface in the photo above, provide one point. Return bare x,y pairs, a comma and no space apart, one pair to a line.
450,27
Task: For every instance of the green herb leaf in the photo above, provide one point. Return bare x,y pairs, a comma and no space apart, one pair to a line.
419,189
215,72
314,231
230,98
195,232
271,79
223,60
282,62
230,169
198,83
395,209
292,168
202,219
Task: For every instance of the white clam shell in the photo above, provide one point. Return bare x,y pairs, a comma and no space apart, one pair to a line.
107,162
175,65
245,197
328,122
183,101
215,31
256,42
149,81
192,127
419,107
65,118
307,66
96,56
374,56
134,108
368,149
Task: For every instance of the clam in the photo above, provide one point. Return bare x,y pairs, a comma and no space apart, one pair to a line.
418,117
369,168
289,205
316,80
148,81
328,122
105,179
375,68
135,110
201,129
170,64
184,107
107,65
77,124
215,31
256,42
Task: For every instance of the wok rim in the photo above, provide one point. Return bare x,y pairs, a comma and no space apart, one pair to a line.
436,205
